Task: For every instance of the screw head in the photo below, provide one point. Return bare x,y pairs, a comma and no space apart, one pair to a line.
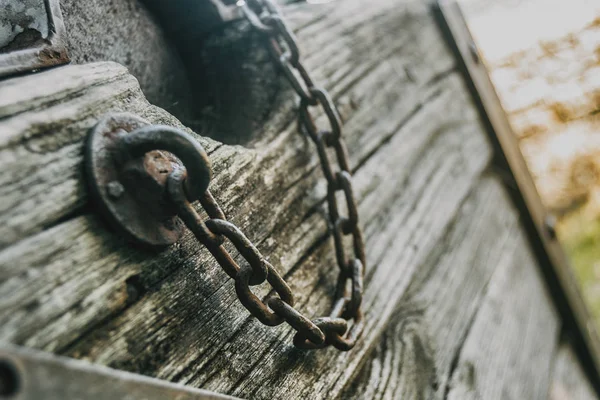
115,190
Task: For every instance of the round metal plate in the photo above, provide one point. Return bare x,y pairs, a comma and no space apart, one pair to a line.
131,195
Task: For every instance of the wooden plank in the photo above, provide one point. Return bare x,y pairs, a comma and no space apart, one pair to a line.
421,352
486,95
30,375
569,381
417,352
70,286
206,304
509,350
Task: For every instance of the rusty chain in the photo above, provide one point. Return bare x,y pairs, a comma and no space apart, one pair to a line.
320,332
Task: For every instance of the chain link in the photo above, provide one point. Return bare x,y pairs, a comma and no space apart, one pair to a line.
334,330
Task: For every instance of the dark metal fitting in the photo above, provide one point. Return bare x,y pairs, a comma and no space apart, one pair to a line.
345,342
36,36
329,326
303,325
10,379
128,162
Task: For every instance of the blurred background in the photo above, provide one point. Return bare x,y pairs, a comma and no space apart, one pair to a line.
543,57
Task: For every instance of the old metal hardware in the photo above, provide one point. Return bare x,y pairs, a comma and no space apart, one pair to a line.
33,36
27,374
127,173
264,16
120,144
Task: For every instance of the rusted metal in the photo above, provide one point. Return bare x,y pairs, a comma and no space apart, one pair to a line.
112,152
127,175
27,374
31,36
333,330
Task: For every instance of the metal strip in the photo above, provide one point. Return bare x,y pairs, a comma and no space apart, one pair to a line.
43,53
30,374
559,271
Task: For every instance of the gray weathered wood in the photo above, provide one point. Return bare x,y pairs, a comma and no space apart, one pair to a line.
438,230
509,350
464,329
41,375
569,381
418,351
570,289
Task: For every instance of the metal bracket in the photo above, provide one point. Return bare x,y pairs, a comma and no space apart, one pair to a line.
30,374
128,178
36,36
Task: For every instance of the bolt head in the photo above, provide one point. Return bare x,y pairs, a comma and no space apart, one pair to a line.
115,190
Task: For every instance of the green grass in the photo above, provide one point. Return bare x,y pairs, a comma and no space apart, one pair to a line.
580,237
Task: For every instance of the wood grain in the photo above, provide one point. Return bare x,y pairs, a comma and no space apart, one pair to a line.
569,381
417,352
509,350
441,236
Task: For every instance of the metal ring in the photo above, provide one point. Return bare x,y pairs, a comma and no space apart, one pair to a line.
254,19
296,320
329,326
345,182
243,245
187,213
330,110
353,305
253,303
182,145
348,341
288,39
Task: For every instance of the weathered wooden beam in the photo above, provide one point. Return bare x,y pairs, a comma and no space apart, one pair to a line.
568,295
417,353
30,374
435,348
510,347
70,286
569,381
